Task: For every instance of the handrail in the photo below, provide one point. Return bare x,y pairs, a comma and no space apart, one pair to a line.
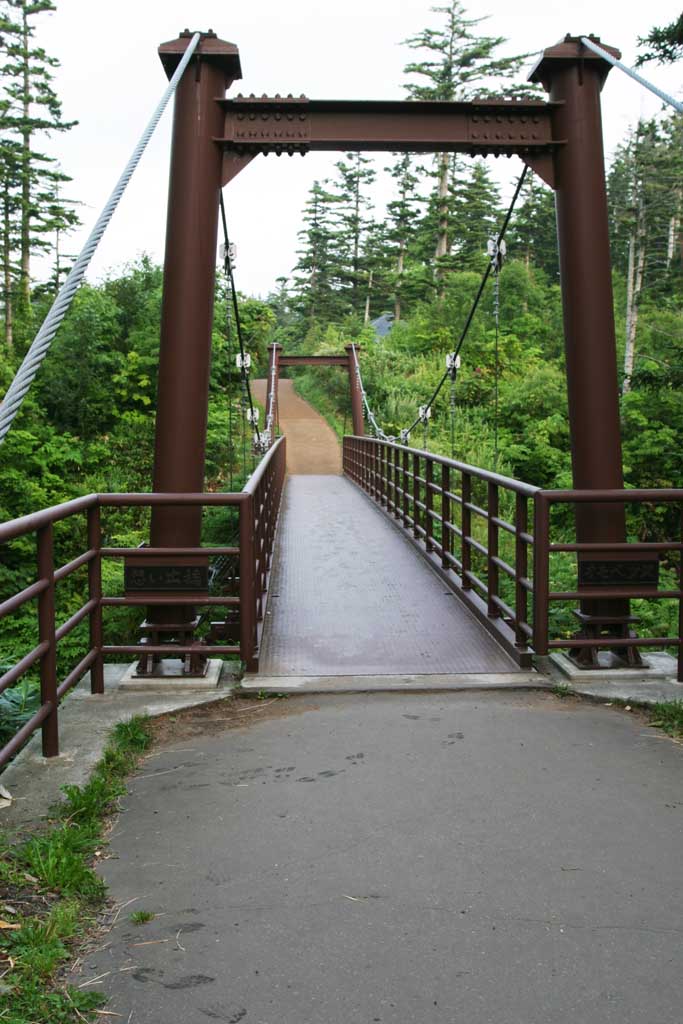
400,480
258,507
510,484
254,480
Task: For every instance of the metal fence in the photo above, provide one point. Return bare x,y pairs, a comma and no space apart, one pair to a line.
257,506
474,528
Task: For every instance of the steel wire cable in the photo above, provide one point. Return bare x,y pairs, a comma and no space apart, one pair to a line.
18,389
454,355
664,96
227,266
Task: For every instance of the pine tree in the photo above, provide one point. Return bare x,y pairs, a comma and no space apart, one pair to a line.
402,218
460,64
355,178
645,196
317,282
30,109
532,236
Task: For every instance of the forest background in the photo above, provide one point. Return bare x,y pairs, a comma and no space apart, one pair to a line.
415,266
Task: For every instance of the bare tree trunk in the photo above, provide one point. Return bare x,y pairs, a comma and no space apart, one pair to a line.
400,264
367,300
442,235
636,270
7,276
674,228
25,271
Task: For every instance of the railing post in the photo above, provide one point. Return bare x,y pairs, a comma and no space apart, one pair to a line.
446,537
396,459
390,481
95,594
680,600
416,494
466,520
521,568
405,487
492,574
541,573
247,583
429,505
46,635
384,474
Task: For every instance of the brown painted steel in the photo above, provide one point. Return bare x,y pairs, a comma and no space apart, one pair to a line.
95,593
273,384
46,635
189,278
258,505
285,125
356,396
574,77
314,361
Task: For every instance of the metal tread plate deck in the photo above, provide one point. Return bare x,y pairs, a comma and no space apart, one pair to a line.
351,597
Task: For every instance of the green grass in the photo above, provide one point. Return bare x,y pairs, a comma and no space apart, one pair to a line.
562,690
52,871
668,716
142,916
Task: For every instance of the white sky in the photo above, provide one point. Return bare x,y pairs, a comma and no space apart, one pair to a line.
111,79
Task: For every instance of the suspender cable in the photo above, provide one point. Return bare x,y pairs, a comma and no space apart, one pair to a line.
463,334
236,311
18,389
664,96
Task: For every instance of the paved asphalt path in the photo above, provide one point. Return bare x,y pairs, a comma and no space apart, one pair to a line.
389,859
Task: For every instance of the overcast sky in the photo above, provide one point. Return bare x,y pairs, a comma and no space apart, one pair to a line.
110,80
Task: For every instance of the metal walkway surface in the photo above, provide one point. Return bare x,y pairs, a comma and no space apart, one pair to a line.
350,596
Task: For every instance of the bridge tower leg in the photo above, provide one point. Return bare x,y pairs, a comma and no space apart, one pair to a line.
574,78
188,293
356,396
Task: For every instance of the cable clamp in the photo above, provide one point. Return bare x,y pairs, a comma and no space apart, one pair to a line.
425,413
452,363
404,436
253,415
243,362
496,251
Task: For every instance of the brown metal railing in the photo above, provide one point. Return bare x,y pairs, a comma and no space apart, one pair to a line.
257,506
452,514
543,642
432,499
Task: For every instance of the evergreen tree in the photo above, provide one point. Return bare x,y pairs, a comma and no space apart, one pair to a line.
402,219
477,217
30,108
665,44
355,177
317,283
460,64
532,236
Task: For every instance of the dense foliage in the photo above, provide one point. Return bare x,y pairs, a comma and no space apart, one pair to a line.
88,423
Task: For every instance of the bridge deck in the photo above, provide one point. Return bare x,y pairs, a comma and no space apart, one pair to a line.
350,596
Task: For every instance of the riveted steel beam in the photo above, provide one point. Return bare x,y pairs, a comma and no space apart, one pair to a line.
275,124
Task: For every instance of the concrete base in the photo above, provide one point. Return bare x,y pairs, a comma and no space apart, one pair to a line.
395,683
658,666
654,685
85,723
170,680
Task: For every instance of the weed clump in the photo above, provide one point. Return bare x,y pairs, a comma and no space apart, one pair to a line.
53,873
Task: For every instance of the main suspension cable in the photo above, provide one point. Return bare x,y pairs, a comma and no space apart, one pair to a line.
606,55
18,389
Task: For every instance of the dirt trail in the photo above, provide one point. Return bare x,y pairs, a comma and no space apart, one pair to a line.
312,445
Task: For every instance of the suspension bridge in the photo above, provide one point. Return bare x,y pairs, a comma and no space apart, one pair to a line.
381,558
